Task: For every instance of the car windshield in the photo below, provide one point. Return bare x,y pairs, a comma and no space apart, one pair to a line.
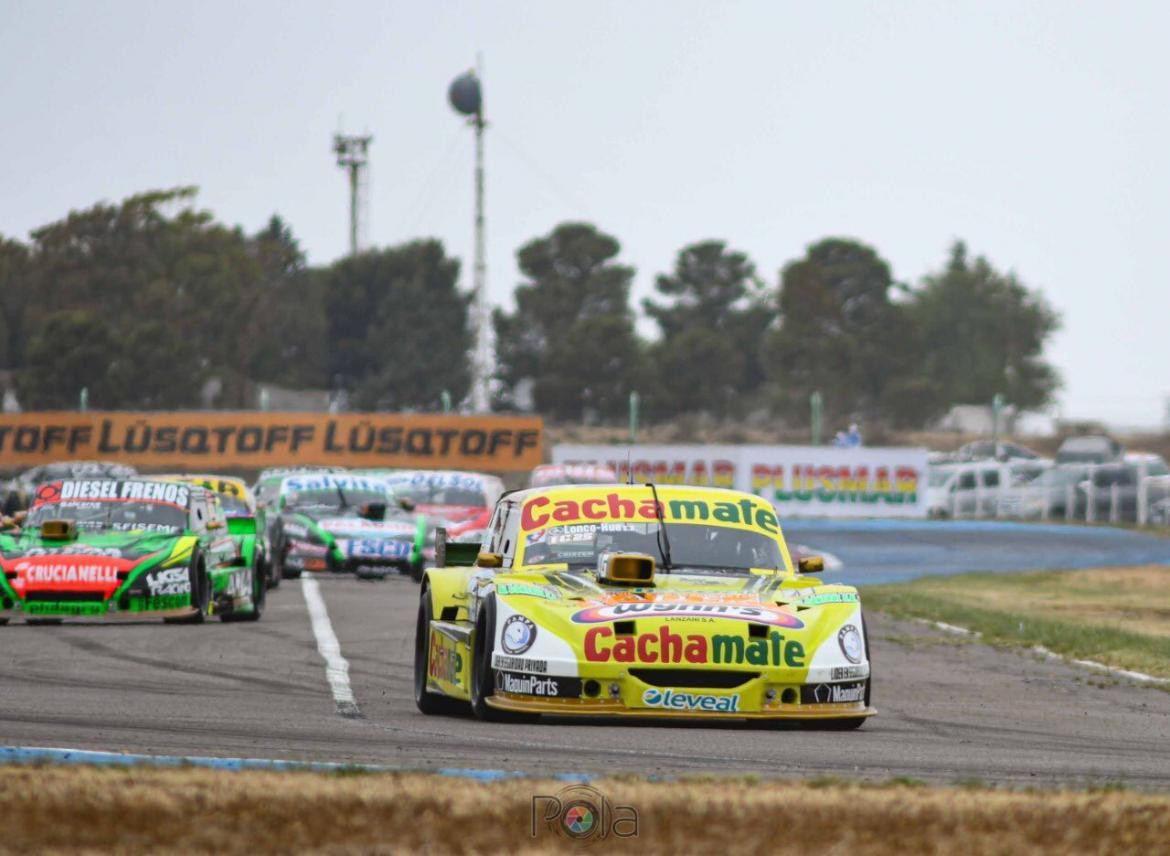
454,489
234,506
693,546
268,490
121,515
1062,476
332,497
938,478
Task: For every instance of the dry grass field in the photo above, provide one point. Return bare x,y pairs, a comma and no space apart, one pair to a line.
117,810
1116,616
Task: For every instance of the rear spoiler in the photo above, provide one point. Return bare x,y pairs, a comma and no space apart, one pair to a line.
453,554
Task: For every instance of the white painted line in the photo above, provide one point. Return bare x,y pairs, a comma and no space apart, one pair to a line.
954,628
1101,667
336,666
1052,655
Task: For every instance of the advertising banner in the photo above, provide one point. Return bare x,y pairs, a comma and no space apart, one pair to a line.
207,440
801,481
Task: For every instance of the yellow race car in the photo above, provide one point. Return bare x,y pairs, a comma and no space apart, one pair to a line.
638,600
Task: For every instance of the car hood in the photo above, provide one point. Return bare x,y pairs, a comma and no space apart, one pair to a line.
93,563
574,619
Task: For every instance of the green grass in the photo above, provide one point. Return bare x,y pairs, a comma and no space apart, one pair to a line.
1113,617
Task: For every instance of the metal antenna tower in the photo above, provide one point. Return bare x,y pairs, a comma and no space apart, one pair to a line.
353,155
466,96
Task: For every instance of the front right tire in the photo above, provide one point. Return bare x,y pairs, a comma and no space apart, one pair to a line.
483,678
200,594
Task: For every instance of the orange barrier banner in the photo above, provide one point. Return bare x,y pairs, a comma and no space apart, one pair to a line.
244,439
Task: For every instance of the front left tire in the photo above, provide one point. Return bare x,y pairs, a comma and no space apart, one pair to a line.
428,702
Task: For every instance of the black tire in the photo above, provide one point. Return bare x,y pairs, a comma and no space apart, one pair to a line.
200,594
428,702
278,550
272,575
259,598
850,724
483,678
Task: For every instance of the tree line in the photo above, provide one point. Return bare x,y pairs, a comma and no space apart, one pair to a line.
145,302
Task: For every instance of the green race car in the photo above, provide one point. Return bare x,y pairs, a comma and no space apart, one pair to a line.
345,523
132,548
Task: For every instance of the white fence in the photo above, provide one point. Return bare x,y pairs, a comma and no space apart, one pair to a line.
800,481
1102,493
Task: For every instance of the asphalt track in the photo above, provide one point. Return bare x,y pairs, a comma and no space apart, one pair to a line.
948,711
886,551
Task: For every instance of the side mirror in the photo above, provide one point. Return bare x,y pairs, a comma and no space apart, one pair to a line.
440,546
811,565
489,560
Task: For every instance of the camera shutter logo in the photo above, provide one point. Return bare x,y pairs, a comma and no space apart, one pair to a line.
583,815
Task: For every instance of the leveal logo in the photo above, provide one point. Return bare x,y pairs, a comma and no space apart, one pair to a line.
582,814
673,700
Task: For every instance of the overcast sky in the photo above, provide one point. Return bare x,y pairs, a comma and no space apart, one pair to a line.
1039,132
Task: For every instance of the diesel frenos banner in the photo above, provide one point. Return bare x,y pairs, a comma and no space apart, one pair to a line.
223,439
812,481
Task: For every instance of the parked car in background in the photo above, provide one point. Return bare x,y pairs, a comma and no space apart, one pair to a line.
1052,493
982,450
1089,449
963,490
986,488
1111,491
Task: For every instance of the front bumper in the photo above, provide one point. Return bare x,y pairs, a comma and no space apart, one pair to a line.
104,610
608,707
738,695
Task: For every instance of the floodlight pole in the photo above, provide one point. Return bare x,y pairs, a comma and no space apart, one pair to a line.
480,396
353,156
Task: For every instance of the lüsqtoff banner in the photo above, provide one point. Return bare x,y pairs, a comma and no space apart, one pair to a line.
801,481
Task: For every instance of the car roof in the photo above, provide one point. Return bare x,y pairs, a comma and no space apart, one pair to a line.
526,493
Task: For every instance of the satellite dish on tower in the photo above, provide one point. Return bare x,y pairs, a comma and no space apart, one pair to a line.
464,94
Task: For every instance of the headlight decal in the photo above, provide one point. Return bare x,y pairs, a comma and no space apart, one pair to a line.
849,639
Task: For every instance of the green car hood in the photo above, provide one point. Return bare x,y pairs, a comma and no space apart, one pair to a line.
94,561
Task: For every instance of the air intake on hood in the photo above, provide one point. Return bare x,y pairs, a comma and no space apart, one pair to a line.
59,530
627,569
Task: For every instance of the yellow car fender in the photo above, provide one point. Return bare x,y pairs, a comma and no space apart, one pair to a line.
448,590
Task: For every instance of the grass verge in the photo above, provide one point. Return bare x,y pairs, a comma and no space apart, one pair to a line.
53,809
1116,616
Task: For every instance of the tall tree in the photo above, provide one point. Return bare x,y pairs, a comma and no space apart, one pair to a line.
397,326
284,335
17,291
841,335
984,334
713,317
148,264
72,350
572,334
